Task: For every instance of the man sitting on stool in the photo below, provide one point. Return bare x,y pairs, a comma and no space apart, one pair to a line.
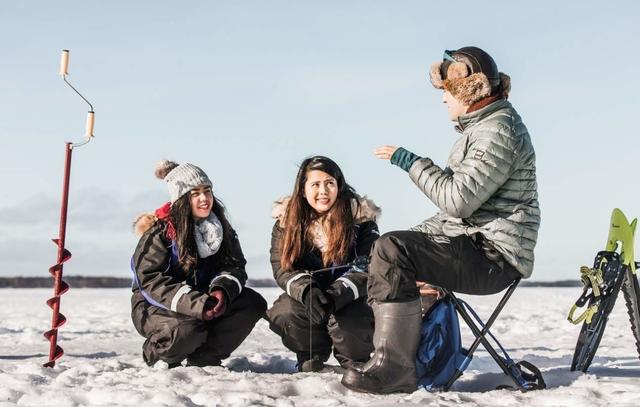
484,235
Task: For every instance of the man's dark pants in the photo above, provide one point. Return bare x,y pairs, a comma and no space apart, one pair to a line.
462,264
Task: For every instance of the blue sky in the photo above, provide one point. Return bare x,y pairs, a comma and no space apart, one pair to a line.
247,89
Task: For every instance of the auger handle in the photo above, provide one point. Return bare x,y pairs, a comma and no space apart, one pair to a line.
64,71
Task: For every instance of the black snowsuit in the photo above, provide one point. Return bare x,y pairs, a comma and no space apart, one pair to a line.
350,329
167,305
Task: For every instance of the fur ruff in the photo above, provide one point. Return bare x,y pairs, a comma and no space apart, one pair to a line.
435,76
470,89
143,223
368,210
505,81
456,70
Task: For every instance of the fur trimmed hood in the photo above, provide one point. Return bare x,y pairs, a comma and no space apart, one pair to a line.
146,221
369,211
143,223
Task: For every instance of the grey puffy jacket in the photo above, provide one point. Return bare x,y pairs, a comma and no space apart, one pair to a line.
489,185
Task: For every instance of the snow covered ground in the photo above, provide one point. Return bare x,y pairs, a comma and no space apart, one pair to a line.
102,364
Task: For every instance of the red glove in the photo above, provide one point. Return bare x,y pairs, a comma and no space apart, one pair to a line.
219,300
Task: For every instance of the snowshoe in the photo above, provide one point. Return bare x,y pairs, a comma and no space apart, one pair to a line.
611,272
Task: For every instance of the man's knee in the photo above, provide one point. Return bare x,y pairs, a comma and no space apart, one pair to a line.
392,271
389,248
386,244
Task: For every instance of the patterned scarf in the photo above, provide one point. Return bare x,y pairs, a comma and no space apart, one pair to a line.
208,235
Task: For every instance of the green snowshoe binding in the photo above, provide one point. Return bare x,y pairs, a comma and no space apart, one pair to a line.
613,269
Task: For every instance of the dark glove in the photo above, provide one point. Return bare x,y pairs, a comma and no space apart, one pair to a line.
340,295
216,305
319,306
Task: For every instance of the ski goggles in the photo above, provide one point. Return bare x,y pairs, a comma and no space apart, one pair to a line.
448,59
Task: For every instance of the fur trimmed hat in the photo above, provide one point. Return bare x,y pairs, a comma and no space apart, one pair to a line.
470,75
181,178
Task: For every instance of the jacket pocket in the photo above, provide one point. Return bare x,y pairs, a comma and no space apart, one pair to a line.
394,285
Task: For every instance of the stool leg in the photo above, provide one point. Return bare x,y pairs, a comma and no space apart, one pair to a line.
480,334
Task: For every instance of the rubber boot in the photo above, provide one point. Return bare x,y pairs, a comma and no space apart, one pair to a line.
392,368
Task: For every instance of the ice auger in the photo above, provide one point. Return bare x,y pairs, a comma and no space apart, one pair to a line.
60,286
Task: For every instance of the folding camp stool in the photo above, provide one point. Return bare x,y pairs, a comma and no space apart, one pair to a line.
522,380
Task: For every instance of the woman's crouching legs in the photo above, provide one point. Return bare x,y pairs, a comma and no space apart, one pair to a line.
351,331
228,331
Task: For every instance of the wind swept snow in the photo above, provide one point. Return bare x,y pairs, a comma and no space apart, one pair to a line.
102,364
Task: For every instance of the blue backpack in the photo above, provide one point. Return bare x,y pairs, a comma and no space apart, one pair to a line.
440,352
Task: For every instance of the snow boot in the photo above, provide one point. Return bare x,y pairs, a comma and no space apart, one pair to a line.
203,362
314,364
173,365
392,368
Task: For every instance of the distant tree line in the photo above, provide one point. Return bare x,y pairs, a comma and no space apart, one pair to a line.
117,282
95,282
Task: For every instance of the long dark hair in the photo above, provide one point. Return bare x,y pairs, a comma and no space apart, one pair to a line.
182,219
299,216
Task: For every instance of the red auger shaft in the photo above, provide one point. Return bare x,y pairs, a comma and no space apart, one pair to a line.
59,286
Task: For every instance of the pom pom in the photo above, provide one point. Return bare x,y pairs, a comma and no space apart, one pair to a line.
164,167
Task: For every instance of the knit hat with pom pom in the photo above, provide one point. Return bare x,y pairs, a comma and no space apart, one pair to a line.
181,178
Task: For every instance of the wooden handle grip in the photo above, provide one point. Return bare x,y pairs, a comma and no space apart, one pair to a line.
64,62
90,121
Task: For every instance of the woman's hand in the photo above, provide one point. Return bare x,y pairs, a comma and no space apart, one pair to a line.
219,301
385,152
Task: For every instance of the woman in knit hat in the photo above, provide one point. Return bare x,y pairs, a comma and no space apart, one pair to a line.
323,224
189,297
483,236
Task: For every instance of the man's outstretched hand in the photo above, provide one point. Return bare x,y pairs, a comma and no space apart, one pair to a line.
385,152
